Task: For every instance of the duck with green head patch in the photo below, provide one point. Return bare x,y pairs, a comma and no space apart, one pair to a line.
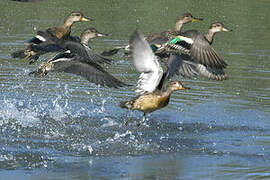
198,54
160,38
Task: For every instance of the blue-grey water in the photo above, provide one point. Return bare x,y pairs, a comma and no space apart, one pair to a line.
63,127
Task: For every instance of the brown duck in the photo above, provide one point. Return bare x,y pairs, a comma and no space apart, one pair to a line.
51,35
158,39
152,94
163,37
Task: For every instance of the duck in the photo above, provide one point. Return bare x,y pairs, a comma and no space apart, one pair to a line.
152,93
158,39
72,63
50,35
162,37
83,48
197,54
64,30
78,45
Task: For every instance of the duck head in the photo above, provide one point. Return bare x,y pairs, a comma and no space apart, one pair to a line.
187,18
77,16
218,27
90,33
176,85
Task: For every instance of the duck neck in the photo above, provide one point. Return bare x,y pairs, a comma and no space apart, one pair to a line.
178,26
210,36
67,24
85,40
167,92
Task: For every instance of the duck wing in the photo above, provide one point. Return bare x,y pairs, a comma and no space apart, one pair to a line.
42,36
177,65
87,53
44,42
177,44
202,52
158,38
72,63
45,47
41,43
146,63
97,57
211,73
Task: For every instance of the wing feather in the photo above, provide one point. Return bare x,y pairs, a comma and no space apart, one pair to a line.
146,63
202,46
93,72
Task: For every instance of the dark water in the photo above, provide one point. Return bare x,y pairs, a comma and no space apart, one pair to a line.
63,127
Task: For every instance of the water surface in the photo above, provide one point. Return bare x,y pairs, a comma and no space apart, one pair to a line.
63,127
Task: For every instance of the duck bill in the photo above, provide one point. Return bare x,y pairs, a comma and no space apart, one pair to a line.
101,34
86,19
226,30
183,88
196,19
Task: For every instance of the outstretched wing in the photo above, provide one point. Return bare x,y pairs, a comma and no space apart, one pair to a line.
146,63
212,73
84,51
202,52
91,71
97,57
176,65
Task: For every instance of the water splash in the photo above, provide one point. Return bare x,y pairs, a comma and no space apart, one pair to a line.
25,116
57,112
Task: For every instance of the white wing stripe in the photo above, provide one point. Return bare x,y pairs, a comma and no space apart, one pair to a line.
40,38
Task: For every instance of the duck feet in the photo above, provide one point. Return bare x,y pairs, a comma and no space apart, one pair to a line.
130,116
142,121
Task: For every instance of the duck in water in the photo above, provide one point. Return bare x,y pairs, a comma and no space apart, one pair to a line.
199,54
51,35
72,63
76,45
157,39
153,95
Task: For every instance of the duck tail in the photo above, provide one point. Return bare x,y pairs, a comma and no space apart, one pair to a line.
18,54
22,55
122,104
126,104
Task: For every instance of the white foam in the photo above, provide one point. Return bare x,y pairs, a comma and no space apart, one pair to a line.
25,117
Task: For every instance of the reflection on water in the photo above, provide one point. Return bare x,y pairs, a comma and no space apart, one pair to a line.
62,127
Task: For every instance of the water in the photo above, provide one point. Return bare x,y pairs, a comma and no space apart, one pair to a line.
63,127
